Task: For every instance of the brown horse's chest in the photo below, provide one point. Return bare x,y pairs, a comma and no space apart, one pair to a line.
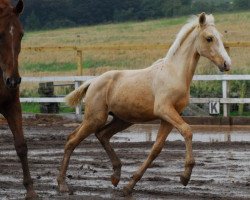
7,95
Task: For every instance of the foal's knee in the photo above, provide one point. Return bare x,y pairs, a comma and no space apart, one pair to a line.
21,149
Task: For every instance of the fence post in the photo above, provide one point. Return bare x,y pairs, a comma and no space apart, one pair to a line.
225,89
79,106
224,95
243,89
79,62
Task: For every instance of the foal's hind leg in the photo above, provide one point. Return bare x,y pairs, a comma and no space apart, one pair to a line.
163,132
74,139
104,135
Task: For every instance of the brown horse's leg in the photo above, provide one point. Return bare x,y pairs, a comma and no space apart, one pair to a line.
163,132
104,136
85,129
173,117
13,114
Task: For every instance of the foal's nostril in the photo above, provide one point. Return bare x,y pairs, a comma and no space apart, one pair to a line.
226,67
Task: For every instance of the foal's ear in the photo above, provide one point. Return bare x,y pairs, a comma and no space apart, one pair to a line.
202,19
19,7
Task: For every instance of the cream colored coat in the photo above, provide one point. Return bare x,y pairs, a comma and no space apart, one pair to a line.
160,91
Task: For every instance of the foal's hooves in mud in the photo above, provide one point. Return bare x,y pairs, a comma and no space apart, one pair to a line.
184,180
127,191
31,196
114,180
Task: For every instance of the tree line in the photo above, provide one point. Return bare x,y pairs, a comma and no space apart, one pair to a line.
50,14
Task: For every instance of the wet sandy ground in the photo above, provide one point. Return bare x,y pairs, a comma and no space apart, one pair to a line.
222,170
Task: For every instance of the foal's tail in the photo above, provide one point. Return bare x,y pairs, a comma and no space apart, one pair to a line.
77,95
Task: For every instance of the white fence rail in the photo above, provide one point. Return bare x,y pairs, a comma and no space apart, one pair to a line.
77,80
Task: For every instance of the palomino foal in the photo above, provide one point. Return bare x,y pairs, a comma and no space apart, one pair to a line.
11,33
157,92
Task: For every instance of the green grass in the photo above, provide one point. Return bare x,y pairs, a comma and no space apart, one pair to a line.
90,63
65,109
234,26
61,67
35,108
49,67
30,108
235,113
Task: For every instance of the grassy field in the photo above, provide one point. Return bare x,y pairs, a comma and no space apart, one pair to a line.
233,26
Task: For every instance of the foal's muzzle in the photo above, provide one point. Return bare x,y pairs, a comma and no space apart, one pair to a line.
226,67
12,82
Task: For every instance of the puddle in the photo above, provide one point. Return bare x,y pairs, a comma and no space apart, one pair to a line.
146,133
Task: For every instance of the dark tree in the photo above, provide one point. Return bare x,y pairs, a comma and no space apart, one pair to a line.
42,14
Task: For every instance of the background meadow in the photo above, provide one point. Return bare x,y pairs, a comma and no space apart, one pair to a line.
235,27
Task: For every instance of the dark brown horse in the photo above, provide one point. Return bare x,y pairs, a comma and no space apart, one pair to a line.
11,33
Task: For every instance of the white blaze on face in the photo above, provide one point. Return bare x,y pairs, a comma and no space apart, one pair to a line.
12,43
222,49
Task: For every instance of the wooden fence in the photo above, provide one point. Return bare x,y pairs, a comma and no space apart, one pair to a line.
77,80
80,50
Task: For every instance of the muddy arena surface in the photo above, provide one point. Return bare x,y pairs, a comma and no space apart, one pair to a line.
222,168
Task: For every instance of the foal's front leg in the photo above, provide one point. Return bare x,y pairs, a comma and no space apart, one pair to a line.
163,132
12,112
172,116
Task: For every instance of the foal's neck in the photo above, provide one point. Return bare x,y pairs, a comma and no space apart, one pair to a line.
186,59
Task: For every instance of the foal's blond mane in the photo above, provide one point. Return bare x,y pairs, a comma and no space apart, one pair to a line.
193,22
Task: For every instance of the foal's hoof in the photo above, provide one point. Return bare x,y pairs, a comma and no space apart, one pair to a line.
31,196
114,180
184,180
127,191
63,188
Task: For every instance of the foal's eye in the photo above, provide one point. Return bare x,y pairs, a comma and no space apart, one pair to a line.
209,39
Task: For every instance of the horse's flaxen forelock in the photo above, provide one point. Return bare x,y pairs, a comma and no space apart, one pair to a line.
193,22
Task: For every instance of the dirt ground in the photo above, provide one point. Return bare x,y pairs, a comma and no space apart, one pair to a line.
222,170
